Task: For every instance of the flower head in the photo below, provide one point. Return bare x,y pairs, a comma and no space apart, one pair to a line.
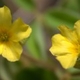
11,34
66,46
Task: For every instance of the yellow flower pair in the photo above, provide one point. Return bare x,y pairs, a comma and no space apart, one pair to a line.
66,46
11,34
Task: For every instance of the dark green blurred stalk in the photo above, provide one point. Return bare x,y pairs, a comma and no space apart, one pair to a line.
1,3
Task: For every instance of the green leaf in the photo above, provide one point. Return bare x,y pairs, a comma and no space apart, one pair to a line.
39,38
36,42
78,4
26,4
56,17
73,5
32,47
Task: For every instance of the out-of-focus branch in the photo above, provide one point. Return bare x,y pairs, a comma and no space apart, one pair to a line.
45,64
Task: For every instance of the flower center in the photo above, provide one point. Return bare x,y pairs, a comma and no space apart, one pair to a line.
4,36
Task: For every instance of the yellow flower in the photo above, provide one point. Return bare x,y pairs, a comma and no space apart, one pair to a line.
11,34
66,46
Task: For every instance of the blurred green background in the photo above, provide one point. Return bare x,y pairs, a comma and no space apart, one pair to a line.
44,17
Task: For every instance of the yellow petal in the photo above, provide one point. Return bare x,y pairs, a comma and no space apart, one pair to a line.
67,61
5,17
1,48
77,28
12,51
21,30
68,33
61,46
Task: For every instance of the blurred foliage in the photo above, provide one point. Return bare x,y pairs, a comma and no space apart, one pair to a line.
36,43
58,16
65,12
1,3
36,74
72,5
26,4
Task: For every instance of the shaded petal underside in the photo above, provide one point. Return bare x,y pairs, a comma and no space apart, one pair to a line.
68,33
21,30
77,28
